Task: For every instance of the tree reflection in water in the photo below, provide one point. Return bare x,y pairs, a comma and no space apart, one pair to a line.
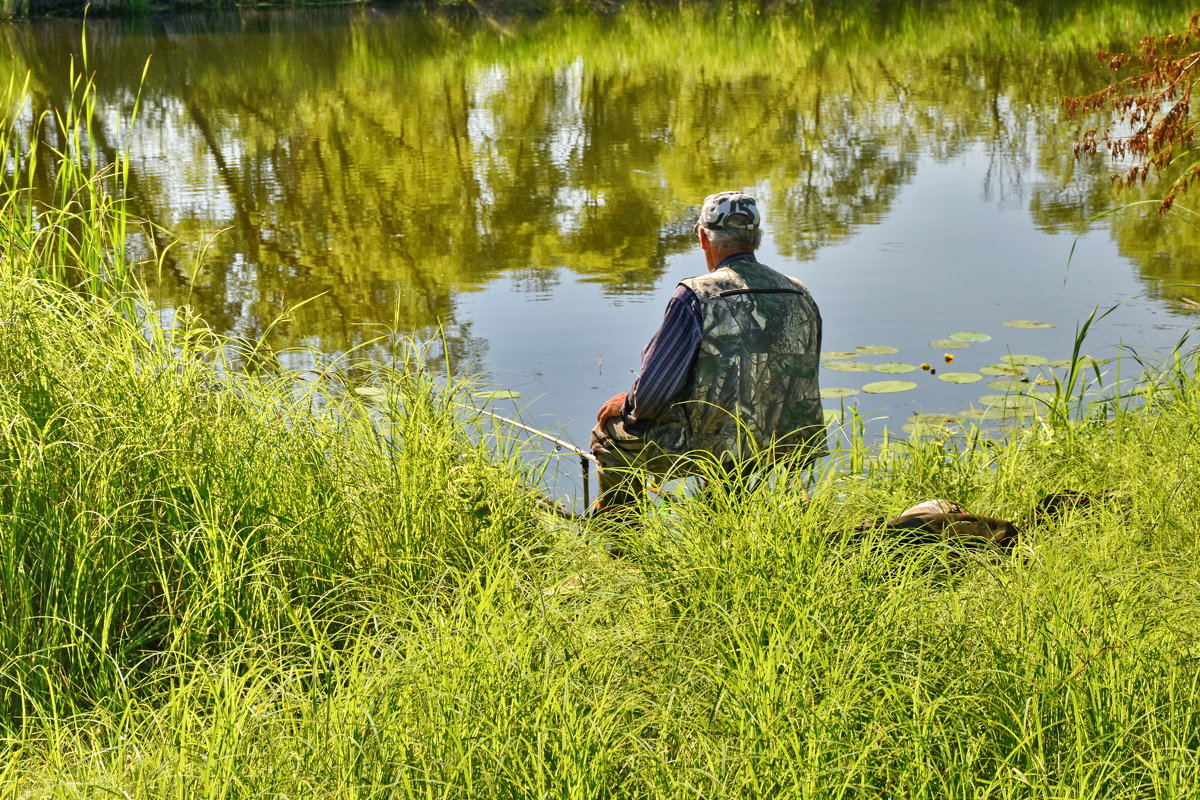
394,159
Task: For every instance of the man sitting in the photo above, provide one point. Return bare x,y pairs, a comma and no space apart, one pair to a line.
731,371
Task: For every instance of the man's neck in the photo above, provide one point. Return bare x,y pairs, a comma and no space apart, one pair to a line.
718,260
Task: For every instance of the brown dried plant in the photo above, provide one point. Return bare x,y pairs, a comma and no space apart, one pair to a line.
1151,126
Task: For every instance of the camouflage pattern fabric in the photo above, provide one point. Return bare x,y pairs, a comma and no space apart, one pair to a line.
754,383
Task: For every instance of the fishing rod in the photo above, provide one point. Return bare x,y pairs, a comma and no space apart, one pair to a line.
560,444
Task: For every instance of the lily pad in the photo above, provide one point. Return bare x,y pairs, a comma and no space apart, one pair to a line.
847,366
1085,362
887,387
497,394
839,355
876,350
1027,323
1024,360
833,415
370,392
948,344
970,336
927,429
991,412
1002,369
893,368
960,377
834,392
1007,385
936,419
932,424
1007,400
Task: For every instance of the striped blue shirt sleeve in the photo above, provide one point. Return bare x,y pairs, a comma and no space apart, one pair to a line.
667,359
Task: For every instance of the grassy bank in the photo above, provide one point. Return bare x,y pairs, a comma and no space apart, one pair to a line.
228,583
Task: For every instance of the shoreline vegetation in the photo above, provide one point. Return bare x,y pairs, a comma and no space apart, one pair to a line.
229,582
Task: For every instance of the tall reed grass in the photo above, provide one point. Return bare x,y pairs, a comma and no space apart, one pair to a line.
223,583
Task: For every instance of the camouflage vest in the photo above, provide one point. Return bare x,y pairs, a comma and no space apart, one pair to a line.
755,374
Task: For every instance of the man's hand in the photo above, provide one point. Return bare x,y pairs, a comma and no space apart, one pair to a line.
612,408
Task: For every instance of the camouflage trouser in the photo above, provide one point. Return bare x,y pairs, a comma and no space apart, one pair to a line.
622,458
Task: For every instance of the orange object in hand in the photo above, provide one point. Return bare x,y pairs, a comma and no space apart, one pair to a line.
612,408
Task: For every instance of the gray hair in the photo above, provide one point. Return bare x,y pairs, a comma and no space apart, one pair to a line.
725,240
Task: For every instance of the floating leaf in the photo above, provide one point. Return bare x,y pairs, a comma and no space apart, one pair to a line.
839,355
370,392
847,366
1002,369
1006,400
932,424
948,344
1024,360
970,336
835,392
1027,323
497,394
987,413
936,419
1006,385
833,415
928,429
887,387
960,377
893,368
1085,362
876,350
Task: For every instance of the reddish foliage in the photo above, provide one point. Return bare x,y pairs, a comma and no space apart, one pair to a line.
1152,125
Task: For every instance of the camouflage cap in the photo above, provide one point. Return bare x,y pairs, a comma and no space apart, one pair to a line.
729,211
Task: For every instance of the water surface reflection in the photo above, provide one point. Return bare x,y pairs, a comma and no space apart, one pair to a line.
526,186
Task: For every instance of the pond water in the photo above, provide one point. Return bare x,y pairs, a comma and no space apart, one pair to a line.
524,187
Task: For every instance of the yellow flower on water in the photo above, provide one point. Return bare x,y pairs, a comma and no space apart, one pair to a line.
949,357
924,366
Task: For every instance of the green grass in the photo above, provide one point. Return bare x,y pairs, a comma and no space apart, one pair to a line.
230,583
